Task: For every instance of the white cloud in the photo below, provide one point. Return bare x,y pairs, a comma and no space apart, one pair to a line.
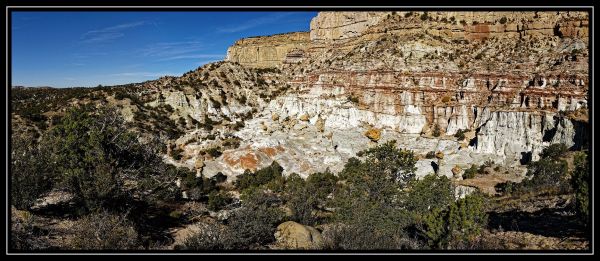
109,33
171,48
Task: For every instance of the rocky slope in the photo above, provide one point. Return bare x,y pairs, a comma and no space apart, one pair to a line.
511,82
507,77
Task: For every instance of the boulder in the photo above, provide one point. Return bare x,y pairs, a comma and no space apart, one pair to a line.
53,199
292,235
373,134
304,117
220,215
457,172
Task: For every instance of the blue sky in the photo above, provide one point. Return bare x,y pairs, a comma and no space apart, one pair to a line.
67,49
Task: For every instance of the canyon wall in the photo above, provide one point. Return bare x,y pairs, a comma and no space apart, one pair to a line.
470,25
335,26
511,80
269,51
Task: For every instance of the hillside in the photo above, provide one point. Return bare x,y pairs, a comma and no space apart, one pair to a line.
460,90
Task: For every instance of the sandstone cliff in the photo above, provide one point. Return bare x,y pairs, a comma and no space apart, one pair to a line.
505,76
335,26
269,51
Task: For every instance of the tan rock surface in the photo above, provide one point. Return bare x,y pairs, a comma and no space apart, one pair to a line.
269,51
292,235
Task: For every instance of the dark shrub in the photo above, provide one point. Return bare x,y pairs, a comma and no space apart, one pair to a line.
554,151
260,177
30,175
218,200
255,222
580,182
471,172
105,231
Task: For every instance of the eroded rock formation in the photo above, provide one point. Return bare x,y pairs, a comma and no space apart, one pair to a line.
505,76
513,82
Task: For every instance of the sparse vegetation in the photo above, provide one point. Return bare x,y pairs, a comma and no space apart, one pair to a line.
460,134
218,199
214,152
471,172
549,174
117,232
554,151
211,237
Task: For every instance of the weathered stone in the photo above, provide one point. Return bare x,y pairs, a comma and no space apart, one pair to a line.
457,172
220,215
320,125
304,117
291,235
461,191
373,134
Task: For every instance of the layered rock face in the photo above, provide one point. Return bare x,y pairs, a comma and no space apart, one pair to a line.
333,26
269,51
510,80
476,25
